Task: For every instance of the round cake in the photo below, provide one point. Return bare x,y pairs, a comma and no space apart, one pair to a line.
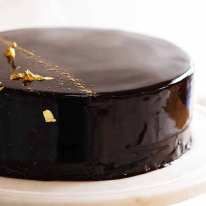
112,104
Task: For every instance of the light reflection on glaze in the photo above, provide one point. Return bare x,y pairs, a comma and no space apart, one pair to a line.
176,106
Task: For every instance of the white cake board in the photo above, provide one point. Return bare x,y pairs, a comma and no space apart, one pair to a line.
183,179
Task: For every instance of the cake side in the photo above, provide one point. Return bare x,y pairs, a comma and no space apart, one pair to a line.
93,138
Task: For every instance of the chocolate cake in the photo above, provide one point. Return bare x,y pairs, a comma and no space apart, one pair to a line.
117,104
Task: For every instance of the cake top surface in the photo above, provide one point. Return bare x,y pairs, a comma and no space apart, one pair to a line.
91,61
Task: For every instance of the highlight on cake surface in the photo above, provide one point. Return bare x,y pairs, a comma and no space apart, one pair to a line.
1,86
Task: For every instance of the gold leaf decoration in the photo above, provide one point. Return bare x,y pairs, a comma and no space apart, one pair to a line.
10,52
48,116
25,76
28,76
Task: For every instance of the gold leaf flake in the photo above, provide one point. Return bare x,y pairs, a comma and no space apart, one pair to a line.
28,76
10,52
48,116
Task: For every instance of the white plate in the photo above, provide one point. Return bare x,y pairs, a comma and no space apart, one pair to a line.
183,179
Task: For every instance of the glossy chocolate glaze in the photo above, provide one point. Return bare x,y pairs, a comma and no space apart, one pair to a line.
106,61
136,119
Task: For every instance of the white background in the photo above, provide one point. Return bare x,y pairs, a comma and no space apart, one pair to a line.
180,21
